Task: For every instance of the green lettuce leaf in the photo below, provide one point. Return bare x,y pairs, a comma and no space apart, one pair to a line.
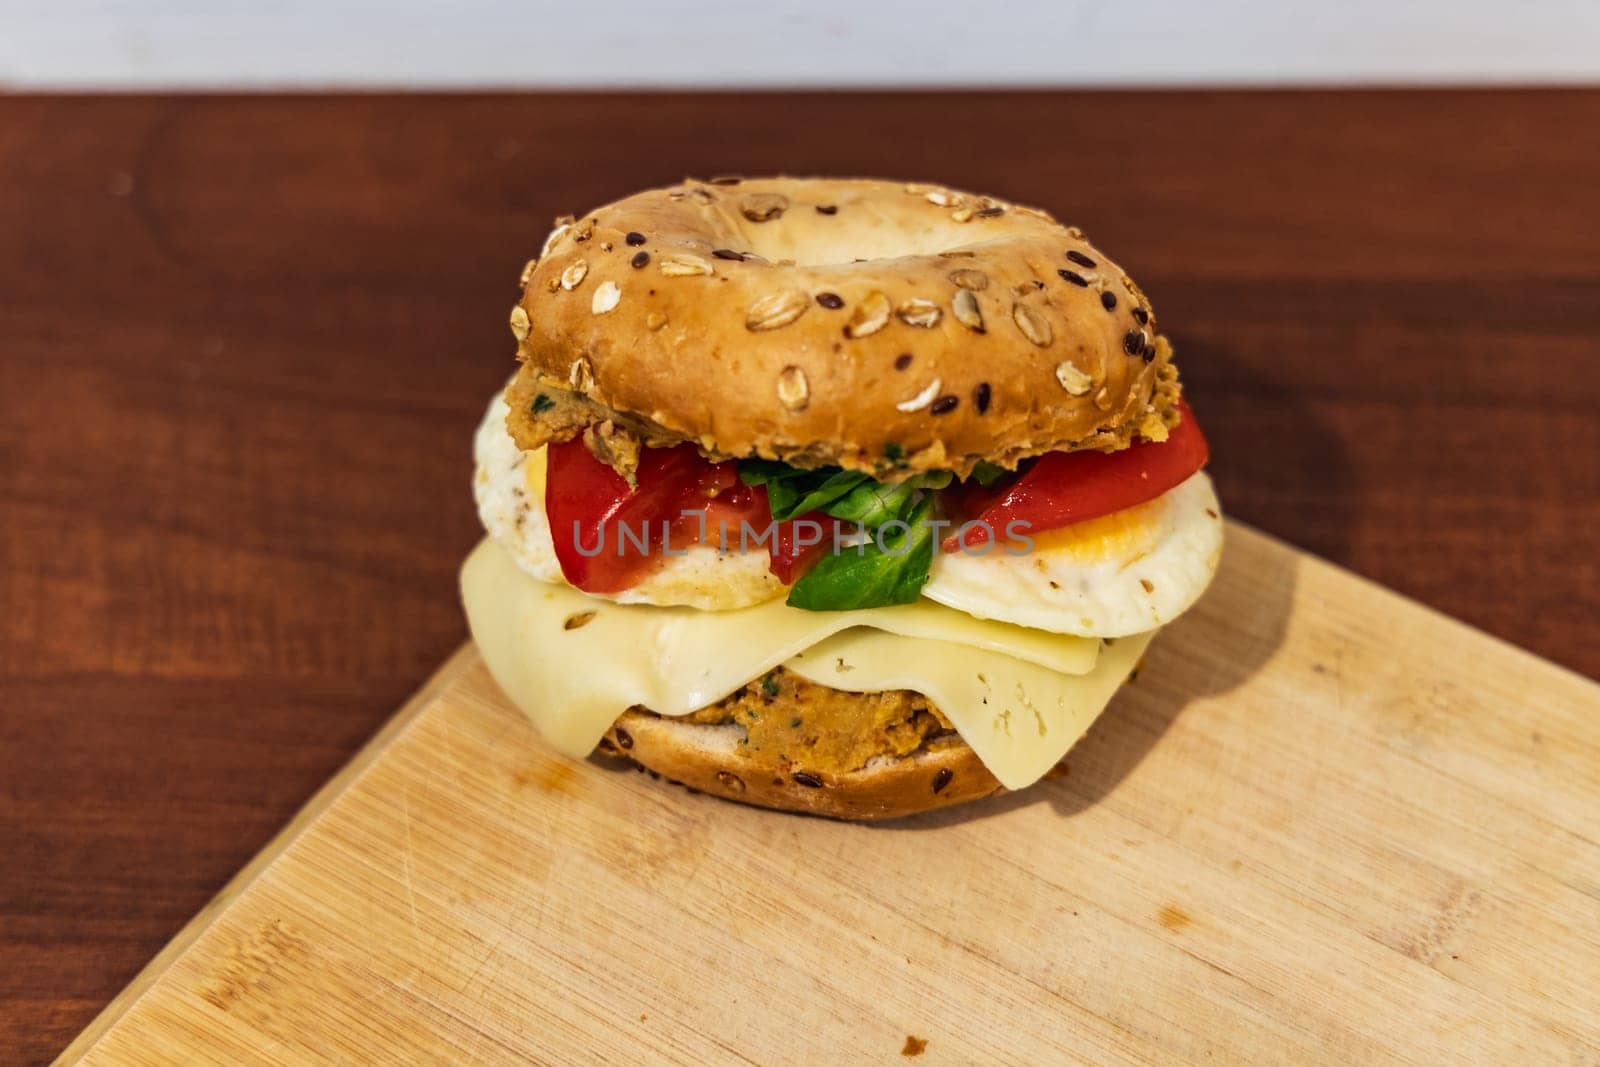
793,492
890,569
848,495
987,474
874,503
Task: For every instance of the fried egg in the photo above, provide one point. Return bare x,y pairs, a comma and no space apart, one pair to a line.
509,487
1121,574
1124,573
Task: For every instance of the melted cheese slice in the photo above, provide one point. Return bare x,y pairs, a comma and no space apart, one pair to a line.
1019,718
573,663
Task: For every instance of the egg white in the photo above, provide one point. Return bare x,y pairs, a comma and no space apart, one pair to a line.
1125,573
509,487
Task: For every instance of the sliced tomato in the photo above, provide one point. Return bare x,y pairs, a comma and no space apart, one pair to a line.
1062,488
608,536
599,523
800,542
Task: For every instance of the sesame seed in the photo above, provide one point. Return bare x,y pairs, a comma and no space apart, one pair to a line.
807,779
1133,342
635,237
605,298
921,400
1073,380
1149,353
940,781
574,274
1074,277
966,310
902,361
827,209
763,207
1108,300
923,314
1141,316
793,388
640,259
1080,259
945,404
831,301
991,212
726,253
980,397
726,179
1034,326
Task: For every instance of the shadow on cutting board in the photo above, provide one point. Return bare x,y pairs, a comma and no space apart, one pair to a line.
1210,651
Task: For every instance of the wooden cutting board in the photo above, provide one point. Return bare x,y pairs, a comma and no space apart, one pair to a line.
1325,825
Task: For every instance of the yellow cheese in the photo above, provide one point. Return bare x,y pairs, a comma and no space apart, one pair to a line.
573,662
1019,718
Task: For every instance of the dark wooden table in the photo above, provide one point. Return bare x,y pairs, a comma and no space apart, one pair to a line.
243,343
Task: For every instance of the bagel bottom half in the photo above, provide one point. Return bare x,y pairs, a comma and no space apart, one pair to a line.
829,752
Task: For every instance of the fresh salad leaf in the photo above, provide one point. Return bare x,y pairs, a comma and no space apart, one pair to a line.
792,492
874,503
987,474
890,569
849,495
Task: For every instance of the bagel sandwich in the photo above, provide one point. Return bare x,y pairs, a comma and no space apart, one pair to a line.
847,497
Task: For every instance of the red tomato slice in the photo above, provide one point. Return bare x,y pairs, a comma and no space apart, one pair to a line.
790,558
1062,488
599,524
591,508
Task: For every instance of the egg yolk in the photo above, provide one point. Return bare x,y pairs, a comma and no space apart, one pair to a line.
1123,535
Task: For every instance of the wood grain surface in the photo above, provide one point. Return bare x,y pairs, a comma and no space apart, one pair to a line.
243,342
1324,826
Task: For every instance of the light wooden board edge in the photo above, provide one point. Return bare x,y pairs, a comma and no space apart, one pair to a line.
459,660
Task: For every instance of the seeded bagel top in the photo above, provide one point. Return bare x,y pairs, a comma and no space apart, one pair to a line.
872,325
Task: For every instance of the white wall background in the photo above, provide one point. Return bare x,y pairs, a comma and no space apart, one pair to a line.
601,43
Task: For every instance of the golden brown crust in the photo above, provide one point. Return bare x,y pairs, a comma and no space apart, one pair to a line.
709,758
801,299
